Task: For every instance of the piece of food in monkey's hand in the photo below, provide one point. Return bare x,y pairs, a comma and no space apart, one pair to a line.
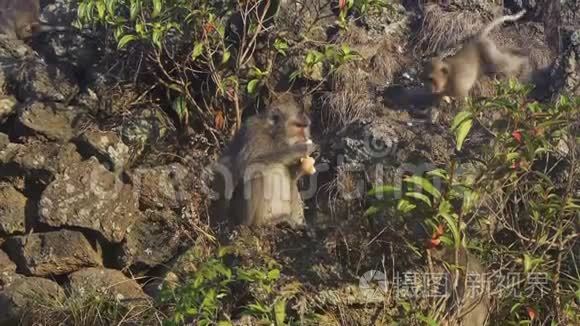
307,165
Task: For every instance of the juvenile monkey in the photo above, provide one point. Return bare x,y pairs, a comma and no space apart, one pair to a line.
455,76
20,19
262,165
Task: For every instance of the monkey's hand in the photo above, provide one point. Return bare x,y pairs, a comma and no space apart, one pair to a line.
307,165
287,156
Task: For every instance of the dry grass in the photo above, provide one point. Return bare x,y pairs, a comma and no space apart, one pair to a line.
442,30
348,100
90,307
390,59
343,193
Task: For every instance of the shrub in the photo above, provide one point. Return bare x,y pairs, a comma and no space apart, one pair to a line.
526,185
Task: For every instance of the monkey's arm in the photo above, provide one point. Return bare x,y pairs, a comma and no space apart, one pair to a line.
286,156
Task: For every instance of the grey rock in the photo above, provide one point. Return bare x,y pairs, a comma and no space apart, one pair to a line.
162,186
71,48
52,253
7,271
4,140
53,120
565,74
7,278
107,281
49,157
365,142
153,240
12,210
8,106
87,195
37,80
16,297
6,265
107,146
145,128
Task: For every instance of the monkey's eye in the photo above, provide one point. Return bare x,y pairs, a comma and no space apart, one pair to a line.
275,117
302,122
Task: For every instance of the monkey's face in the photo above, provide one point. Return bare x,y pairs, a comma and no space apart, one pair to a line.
436,74
25,32
290,123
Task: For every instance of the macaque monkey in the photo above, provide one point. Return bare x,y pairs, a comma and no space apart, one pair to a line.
20,19
472,295
455,76
260,168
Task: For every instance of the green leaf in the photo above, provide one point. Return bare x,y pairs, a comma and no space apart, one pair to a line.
126,39
405,206
309,60
451,221
135,9
111,6
280,311
469,199
274,274
515,307
140,28
461,125
295,74
512,156
179,105
527,263
226,56
157,4
258,308
281,46
444,207
89,10
221,30
385,190
224,323
156,37
372,211
197,50
424,184
252,85
441,173
101,10
419,196
82,11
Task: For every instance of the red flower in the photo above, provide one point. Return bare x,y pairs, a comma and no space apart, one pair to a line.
341,4
432,243
531,313
517,136
435,238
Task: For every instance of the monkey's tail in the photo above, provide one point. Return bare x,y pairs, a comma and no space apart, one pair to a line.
501,20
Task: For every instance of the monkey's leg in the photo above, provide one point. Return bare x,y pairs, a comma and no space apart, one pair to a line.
297,208
247,202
